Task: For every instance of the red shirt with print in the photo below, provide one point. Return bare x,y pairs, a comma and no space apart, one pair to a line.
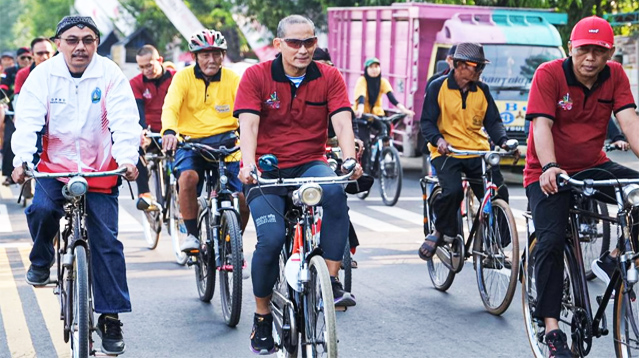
580,115
151,93
293,121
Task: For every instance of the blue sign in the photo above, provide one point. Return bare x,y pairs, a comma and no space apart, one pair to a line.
507,117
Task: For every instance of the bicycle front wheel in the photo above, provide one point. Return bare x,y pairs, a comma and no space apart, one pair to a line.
496,257
441,276
390,175
625,321
231,271
346,269
80,322
205,264
177,229
152,220
319,338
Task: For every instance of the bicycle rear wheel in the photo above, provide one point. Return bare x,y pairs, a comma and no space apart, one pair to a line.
205,264
80,327
346,269
534,326
496,257
390,175
441,276
231,271
319,338
177,229
152,220
595,235
625,321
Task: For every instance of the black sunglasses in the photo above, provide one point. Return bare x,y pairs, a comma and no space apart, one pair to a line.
25,58
296,43
73,41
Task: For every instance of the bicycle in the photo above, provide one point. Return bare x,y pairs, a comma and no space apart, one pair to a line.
302,300
381,158
492,232
220,235
163,184
576,316
73,285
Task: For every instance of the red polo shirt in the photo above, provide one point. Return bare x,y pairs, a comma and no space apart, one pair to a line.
21,77
293,121
150,94
580,115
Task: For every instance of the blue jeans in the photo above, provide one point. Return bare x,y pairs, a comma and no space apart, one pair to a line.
110,291
270,226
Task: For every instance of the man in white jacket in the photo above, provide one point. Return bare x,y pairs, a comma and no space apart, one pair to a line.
77,112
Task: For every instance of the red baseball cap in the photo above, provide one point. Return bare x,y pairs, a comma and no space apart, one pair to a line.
592,30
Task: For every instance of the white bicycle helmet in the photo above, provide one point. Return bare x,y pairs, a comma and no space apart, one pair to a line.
207,40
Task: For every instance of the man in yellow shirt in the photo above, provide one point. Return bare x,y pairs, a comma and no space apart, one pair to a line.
199,104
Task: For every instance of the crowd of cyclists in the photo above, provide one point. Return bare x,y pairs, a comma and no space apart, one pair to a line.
285,107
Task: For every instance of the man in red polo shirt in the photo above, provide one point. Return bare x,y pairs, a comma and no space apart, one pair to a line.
150,87
283,106
570,104
42,50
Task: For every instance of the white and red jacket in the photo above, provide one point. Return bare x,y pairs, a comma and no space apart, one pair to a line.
89,122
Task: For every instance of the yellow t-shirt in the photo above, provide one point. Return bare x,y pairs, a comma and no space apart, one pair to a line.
361,90
191,108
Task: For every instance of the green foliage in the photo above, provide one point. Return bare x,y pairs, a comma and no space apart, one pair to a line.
30,18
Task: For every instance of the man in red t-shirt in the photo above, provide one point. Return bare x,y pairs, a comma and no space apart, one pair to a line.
283,106
149,87
569,107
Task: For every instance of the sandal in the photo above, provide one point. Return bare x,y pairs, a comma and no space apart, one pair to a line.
429,246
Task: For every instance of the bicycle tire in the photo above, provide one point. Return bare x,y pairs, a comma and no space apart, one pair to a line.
152,220
595,245
232,260
205,265
81,308
318,301
441,276
625,321
346,270
534,327
492,263
390,175
177,229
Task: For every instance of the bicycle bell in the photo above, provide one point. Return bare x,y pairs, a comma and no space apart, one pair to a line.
492,158
308,194
631,194
77,186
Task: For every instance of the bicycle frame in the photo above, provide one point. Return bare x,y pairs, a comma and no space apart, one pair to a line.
384,136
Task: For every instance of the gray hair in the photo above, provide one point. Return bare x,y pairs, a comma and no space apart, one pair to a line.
293,20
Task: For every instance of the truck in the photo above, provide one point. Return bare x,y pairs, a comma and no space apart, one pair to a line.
410,39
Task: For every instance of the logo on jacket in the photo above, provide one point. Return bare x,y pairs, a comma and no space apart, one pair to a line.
146,94
566,103
96,95
55,100
224,108
273,102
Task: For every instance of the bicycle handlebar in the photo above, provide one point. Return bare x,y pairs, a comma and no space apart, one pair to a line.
222,150
38,175
343,179
564,179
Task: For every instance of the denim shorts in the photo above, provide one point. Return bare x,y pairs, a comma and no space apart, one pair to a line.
190,160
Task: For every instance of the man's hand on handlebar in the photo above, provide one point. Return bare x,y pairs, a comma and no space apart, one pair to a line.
169,142
443,146
246,174
132,172
357,169
620,144
18,175
516,152
359,147
548,183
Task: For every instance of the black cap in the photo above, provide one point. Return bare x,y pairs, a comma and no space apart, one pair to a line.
68,22
321,55
470,52
22,50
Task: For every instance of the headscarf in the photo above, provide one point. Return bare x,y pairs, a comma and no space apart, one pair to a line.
373,83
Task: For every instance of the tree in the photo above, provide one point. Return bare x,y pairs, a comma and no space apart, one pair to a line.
11,11
39,18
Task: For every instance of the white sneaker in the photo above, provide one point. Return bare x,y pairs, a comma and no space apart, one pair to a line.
190,245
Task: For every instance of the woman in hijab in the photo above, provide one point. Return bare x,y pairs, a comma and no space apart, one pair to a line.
369,91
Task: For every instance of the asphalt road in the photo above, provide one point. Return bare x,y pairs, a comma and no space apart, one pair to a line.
398,312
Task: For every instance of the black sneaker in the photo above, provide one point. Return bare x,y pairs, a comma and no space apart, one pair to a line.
341,297
557,343
604,267
262,335
110,332
37,276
